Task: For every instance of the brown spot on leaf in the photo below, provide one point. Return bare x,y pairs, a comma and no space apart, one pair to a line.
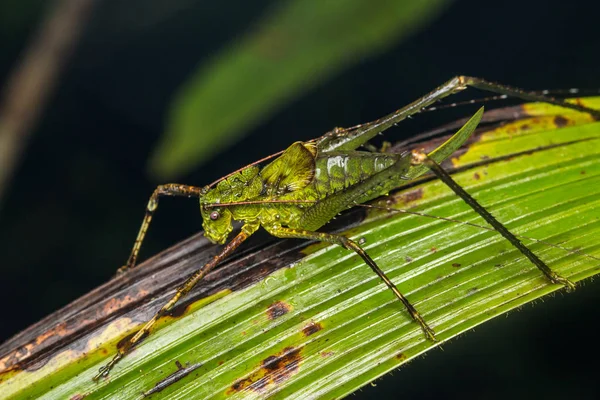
78,396
404,198
456,265
476,176
411,196
59,330
582,173
56,333
525,127
312,328
401,356
274,370
326,354
178,310
117,303
433,249
278,309
560,121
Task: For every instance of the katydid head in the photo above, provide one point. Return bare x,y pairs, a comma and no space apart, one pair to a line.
216,220
216,214
216,223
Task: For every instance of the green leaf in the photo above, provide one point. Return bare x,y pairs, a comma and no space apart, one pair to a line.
323,325
297,45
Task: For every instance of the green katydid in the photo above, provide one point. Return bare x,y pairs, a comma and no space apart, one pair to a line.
309,183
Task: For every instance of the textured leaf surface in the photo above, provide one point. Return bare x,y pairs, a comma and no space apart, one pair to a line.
324,325
294,47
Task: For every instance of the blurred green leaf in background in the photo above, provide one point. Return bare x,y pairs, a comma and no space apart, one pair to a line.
298,44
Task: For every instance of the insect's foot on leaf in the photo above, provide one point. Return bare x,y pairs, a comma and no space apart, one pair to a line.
102,373
429,333
570,286
122,270
105,370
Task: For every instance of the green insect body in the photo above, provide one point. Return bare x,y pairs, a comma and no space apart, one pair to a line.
313,177
311,185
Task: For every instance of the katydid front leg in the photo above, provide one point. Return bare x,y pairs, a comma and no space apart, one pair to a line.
184,289
171,189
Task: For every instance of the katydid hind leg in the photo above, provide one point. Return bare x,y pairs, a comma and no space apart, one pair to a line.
422,158
352,138
283,232
171,189
498,88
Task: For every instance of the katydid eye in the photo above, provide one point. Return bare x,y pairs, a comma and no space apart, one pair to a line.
214,215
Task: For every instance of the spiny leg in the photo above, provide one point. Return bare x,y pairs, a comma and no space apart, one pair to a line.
493,87
182,290
171,189
349,244
422,158
351,138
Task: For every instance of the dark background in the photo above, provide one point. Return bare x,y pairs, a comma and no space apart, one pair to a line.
75,203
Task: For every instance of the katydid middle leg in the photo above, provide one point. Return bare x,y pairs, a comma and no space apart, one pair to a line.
283,232
171,189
